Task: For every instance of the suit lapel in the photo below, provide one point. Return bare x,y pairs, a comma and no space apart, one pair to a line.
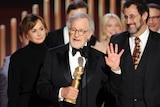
90,68
127,61
64,64
147,54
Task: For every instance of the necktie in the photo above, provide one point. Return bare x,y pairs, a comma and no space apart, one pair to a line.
136,52
83,51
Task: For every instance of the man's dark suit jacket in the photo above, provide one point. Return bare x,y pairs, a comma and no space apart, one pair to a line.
141,87
56,38
56,74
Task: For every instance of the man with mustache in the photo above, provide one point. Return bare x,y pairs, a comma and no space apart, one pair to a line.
139,66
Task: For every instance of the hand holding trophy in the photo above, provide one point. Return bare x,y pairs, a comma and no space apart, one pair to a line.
77,77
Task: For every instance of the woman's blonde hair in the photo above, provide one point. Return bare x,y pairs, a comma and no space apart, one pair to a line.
104,21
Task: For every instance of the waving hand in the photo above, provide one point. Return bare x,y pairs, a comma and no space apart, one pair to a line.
113,58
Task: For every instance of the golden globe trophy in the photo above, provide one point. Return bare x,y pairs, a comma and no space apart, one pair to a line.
77,77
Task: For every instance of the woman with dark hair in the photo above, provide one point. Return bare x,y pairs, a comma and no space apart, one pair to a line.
25,65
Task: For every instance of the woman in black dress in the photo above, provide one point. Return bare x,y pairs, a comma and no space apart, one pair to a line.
25,65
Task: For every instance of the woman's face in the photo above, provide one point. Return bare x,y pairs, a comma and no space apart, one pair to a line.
112,27
37,34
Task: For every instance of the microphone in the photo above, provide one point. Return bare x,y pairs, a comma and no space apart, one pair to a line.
77,77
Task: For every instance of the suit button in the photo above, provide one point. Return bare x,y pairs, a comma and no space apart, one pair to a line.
135,99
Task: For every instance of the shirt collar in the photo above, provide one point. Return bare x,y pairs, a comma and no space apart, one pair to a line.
66,35
143,37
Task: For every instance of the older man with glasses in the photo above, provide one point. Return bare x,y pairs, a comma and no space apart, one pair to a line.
62,83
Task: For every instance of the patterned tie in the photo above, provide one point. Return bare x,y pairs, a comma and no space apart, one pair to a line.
136,52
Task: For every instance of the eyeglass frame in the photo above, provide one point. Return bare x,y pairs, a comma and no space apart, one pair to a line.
131,17
81,32
154,18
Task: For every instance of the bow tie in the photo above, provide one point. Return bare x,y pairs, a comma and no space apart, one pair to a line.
83,51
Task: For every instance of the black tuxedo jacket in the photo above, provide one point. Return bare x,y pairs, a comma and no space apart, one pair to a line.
55,38
141,87
56,74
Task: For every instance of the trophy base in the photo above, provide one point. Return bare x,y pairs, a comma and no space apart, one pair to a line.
70,101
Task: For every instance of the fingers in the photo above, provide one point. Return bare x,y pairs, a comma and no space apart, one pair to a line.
113,58
70,92
108,50
112,50
116,48
121,52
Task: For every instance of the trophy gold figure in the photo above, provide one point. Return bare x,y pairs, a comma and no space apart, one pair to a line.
77,77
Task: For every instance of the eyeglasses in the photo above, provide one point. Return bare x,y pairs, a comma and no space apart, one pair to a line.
154,18
131,17
80,32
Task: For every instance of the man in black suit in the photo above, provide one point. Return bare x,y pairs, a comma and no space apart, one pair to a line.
140,84
60,36
58,71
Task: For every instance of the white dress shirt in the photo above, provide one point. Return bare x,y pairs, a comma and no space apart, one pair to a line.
66,35
73,60
143,37
73,63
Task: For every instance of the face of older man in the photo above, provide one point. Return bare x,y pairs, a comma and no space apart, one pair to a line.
79,33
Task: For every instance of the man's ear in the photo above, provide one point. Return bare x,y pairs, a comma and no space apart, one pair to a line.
20,38
145,15
90,34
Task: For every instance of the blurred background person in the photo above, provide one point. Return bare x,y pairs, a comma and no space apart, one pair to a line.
25,65
154,17
24,41
110,25
4,71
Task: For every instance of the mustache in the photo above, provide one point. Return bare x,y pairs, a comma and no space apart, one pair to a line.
130,24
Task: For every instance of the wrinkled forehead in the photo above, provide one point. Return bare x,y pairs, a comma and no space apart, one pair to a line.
80,23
